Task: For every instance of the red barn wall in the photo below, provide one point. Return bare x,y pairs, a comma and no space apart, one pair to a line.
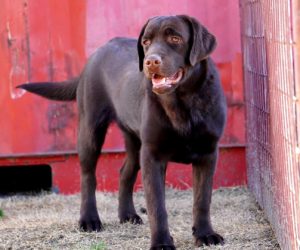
52,39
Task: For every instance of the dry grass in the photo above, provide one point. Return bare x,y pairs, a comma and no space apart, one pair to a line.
48,221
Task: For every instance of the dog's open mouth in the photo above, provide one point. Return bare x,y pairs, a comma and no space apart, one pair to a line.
162,83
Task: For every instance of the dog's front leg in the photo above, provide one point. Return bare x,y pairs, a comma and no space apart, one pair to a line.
203,173
153,172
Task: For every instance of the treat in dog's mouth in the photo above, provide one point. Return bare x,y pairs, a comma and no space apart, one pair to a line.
159,81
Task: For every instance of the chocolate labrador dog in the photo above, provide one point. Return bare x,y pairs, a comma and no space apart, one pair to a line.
164,92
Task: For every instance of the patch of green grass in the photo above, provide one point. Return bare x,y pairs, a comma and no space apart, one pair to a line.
100,246
1,213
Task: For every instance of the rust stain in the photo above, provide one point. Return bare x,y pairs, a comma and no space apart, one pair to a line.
60,116
69,65
50,63
27,38
9,36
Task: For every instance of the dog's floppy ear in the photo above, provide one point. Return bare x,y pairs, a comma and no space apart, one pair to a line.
140,48
202,42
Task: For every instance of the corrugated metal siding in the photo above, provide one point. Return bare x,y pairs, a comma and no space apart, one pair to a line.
269,46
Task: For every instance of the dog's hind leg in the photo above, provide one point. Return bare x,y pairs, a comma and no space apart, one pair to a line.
90,140
128,174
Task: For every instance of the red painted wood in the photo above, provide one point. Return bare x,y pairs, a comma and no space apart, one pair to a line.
230,172
51,40
66,170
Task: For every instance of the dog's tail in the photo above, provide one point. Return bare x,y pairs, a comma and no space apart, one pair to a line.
59,91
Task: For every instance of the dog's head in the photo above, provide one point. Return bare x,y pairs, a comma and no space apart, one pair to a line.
169,46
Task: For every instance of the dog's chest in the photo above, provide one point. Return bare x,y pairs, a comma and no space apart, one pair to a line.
190,149
185,116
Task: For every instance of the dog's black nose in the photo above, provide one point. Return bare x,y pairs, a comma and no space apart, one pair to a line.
153,61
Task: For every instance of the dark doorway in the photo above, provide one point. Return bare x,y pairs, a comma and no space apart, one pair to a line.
25,179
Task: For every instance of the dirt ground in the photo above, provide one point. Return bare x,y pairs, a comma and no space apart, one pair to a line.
49,221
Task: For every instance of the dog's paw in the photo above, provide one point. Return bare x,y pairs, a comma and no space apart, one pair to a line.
167,245
163,247
209,239
132,218
90,224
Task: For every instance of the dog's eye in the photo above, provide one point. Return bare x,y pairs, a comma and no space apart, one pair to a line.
175,39
146,42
